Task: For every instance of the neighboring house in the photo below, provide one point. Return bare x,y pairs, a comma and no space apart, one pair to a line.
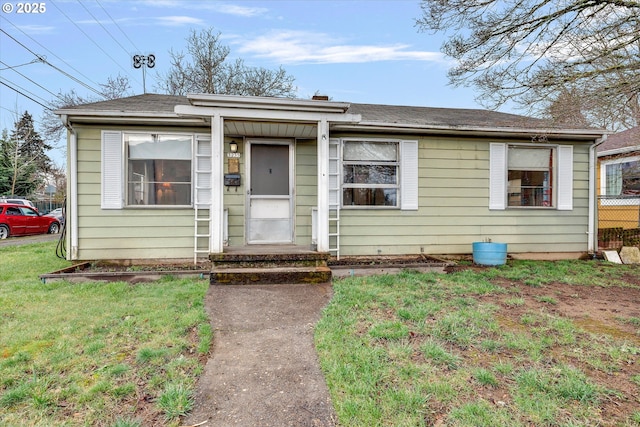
159,176
619,189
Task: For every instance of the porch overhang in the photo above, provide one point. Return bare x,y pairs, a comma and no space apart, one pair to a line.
275,117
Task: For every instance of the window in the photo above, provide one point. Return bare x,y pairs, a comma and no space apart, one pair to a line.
370,171
523,175
530,176
621,177
158,169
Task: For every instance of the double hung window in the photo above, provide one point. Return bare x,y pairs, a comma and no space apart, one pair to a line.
621,177
371,173
530,176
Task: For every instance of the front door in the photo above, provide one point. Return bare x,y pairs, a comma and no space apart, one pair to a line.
270,195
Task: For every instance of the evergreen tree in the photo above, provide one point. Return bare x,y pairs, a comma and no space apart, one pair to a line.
31,146
5,163
23,159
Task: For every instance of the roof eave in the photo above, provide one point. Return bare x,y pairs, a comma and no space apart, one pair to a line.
100,116
579,134
623,150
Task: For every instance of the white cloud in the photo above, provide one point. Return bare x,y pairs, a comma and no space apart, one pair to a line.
215,6
234,9
294,47
174,21
36,29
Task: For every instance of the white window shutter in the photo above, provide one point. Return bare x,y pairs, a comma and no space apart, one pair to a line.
497,176
112,170
409,175
565,177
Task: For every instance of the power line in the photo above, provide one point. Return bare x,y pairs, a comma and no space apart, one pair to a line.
117,25
17,114
16,66
103,27
32,81
90,39
26,96
45,48
44,61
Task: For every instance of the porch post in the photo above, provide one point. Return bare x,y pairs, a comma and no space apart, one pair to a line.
216,240
323,186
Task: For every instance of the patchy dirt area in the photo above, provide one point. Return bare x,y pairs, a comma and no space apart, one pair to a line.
604,312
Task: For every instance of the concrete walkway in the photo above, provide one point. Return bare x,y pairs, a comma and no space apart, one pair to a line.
263,370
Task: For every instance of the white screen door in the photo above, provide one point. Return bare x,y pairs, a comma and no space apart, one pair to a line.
270,195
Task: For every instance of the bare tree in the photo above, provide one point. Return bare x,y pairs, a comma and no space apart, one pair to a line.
53,129
205,69
533,51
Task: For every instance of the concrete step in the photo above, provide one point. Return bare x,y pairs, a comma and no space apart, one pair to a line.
269,275
262,259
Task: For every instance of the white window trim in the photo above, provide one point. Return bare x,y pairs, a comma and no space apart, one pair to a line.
604,201
407,180
562,180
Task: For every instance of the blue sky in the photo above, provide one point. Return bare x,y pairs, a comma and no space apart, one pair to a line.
353,51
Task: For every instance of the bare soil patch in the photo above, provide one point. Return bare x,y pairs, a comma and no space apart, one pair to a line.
603,312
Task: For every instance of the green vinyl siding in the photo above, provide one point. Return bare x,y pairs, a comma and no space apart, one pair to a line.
306,191
454,209
129,233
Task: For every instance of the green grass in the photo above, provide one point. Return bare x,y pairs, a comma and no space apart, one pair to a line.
86,354
433,349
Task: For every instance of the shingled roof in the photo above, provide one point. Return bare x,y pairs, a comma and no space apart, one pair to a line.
629,138
154,104
147,103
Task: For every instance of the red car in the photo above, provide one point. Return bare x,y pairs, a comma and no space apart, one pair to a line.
20,220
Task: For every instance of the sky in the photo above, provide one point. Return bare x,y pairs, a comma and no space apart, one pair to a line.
353,51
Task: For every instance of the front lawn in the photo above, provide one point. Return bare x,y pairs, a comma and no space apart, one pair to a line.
96,354
527,344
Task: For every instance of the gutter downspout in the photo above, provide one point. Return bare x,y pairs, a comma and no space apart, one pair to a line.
72,186
593,201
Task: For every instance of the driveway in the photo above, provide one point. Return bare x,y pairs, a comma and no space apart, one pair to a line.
23,240
264,370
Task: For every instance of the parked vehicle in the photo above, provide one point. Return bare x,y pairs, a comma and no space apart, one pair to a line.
57,214
17,201
20,220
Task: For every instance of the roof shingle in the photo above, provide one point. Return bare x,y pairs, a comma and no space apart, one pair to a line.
370,113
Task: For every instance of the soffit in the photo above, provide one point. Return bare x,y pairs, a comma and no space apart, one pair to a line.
270,129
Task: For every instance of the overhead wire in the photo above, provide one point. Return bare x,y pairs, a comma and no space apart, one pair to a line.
17,113
31,80
26,96
52,53
117,25
19,65
92,40
102,26
44,61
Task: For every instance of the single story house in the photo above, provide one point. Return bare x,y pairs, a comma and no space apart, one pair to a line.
619,189
180,177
